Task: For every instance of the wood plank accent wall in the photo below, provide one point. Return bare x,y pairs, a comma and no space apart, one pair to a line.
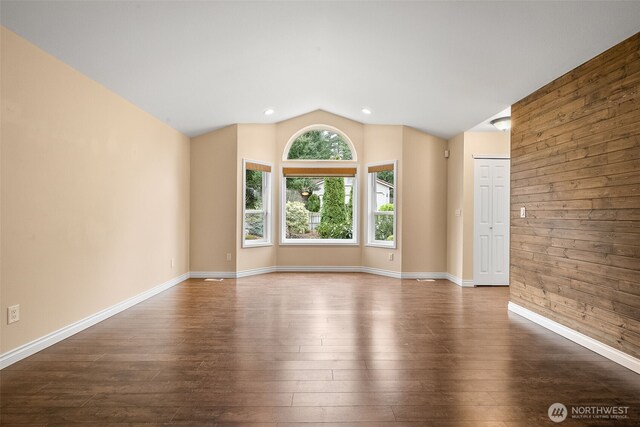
575,167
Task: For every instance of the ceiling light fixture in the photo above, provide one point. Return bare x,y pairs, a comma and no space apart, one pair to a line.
366,111
269,111
502,123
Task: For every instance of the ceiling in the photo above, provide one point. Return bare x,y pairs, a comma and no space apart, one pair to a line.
486,125
442,67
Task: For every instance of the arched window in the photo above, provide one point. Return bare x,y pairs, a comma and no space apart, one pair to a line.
319,188
320,143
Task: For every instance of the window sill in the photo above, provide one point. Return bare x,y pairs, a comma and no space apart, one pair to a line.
391,245
318,242
246,245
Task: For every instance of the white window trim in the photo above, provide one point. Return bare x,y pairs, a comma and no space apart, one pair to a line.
371,200
284,241
266,200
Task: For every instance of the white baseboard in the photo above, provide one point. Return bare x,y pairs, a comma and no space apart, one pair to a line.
41,343
424,275
381,272
212,274
274,269
439,275
319,268
362,269
596,346
455,279
326,269
256,271
459,281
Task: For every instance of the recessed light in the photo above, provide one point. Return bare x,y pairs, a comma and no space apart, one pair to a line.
269,111
366,111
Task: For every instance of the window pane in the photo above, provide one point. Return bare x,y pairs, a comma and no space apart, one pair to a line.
254,226
319,208
384,188
381,201
384,227
319,145
254,190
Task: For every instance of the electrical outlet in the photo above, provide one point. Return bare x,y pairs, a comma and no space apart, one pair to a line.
523,212
390,256
229,256
458,212
13,313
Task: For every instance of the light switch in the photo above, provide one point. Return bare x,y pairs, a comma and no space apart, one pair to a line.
523,212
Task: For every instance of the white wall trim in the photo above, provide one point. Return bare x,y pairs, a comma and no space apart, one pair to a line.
54,337
459,281
439,275
424,275
256,271
455,279
319,268
212,274
330,269
293,269
381,272
602,349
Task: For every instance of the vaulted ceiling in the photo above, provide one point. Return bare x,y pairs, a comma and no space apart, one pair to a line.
442,67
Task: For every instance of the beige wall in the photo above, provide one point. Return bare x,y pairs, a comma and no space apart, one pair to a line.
255,142
455,201
214,201
462,148
383,143
424,203
296,255
476,143
94,195
217,157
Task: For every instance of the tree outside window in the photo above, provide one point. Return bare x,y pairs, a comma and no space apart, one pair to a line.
381,197
256,228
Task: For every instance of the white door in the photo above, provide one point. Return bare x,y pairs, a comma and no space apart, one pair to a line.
491,222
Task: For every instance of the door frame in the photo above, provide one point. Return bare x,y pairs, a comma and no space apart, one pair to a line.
508,216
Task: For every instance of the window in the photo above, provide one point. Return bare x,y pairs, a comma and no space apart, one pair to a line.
319,189
382,202
320,144
319,205
256,222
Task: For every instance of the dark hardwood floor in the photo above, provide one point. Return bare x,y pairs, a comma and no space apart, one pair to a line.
304,349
